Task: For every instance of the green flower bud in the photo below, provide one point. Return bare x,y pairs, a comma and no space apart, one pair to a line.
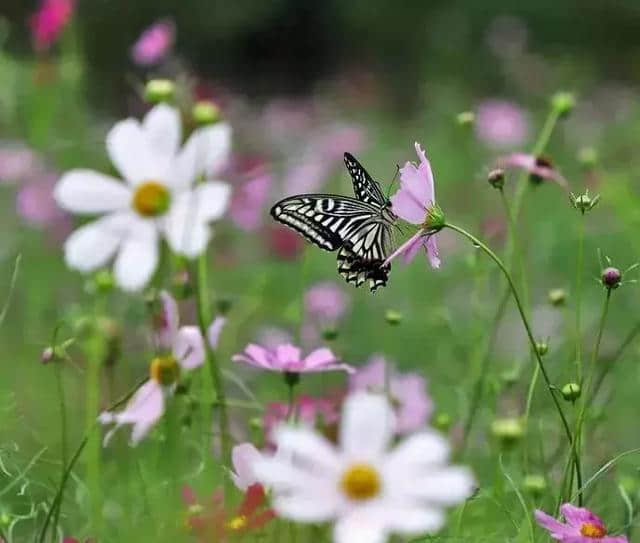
224,305
588,157
330,333
442,421
535,484
557,297
584,202
571,392
159,90
393,317
205,112
542,347
435,220
563,103
510,377
465,118
507,430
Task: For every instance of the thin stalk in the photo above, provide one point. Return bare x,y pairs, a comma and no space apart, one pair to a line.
578,295
63,431
527,327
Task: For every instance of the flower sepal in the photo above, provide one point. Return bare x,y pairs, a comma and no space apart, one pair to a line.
434,221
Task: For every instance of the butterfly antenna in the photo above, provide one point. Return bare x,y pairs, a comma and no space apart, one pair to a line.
395,176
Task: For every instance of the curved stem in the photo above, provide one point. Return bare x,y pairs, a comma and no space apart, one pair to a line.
527,327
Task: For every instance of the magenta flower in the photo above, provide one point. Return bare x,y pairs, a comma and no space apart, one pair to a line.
18,162
500,123
179,349
154,43
414,202
248,202
539,168
581,526
413,407
288,359
36,205
48,22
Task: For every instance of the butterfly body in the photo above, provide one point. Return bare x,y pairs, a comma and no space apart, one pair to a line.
358,228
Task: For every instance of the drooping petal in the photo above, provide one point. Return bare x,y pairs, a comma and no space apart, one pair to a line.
243,457
168,320
367,425
577,516
188,347
86,191
555,527
138,256
408,249
93,244
131,153
163,129
214,331
186,233
433,254
213,200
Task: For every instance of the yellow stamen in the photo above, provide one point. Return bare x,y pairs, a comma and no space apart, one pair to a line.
237,523
360,482
165,370
588,529
151,199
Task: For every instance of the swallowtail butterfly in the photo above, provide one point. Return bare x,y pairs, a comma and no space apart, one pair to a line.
358,228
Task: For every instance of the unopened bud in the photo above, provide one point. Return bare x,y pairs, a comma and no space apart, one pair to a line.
563,103
48,355
535,484
465,118
330,333
588,157
159,90
496,178
611,277
224,305
393,317
435,219
508,430
205,112
557,296
510,377
542,347
571,392
442,421
584,202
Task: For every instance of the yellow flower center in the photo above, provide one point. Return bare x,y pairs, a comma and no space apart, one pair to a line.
151,199
588,529
237,523
360,482
165,370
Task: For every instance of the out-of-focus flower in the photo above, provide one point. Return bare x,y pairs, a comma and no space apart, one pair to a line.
35,202
309,411
243,457
368,491
325,302
154,43
581,526
18,163
248,201
158,197
214,331
407,394
181,349
338,138
271,336
48,22
539,168
213,523
284,242
500,123
288,359
415,202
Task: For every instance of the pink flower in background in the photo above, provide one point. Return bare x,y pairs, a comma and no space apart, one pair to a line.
539,168
154,43
581,526
338,138
214,331
306,176
35,203
284,242
288,359
413,203
271,336
248,201
242,457
500,123
18,162
325,302
48,22
412,406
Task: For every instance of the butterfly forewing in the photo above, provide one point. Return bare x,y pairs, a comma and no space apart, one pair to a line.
364,187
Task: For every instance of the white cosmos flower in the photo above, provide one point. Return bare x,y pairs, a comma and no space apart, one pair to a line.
158,197
368,491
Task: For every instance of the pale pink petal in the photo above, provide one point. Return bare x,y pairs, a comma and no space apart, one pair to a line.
614,539
431,245
243,457
154,43
409,247
556,529
405,206
188,347
370,377
319,357
414,406
287,355
255,355
214,331
166,325
577,516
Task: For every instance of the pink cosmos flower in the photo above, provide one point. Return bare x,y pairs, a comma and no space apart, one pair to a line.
325,302
272,336
154,43
214,331
18,162
413,203
500,123
288,359
581,526
539,168
242,457
180,349
36,205
48,22
412,406
248,201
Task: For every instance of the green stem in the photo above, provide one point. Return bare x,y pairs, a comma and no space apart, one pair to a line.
63,431
578,295
527,327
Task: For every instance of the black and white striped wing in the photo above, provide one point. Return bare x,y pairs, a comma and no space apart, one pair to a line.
364,187
325,220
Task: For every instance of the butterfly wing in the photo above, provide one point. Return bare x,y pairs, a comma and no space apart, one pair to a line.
364,187
325,220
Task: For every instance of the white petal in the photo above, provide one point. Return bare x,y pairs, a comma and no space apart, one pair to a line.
410,519
217,146
305,507
310,448
213,200
420,453
93,244
186,234
282,475
86,191
138,256
448,486
163,130
359,527
188,347
367,425
131,153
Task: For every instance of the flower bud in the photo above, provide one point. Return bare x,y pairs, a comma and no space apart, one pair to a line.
611,277
571,392
510,377
535,484
330,333
205,112
465,118
496,178
588,157
435,220
393,317
48,355
563,103
442,421
542,347
159,90
104,281
557,296
508,431
224,305
584,202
